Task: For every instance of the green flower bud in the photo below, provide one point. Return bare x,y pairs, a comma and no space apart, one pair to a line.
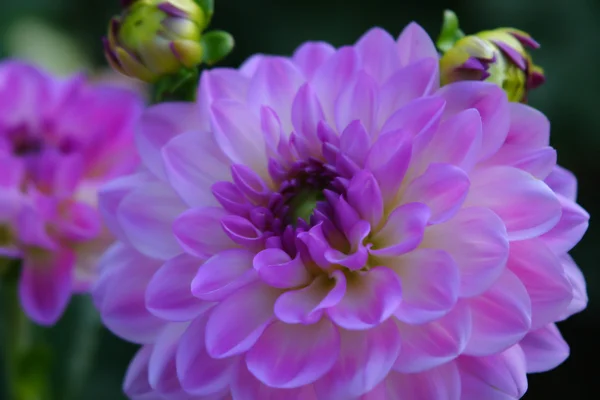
155,38
499,56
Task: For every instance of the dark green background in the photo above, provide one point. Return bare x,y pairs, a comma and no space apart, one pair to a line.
567,30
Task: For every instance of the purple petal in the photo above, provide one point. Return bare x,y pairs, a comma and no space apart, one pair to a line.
365,359
501,316
355,142
276,268
527,206
513,54
415,44
220,83
359,100
223,274
419,117
162,370
402,232
569,230
575,276
364,195
199,231
311,55
231,198
562,182
440,383
528,127
544,349
378,54
250,183
291,356
242,232
371,298
136,383
306,115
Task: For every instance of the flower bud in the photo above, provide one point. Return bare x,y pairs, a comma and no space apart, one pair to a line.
154,38
499,56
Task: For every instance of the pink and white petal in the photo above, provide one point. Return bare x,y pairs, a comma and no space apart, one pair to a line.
432,344
276,268
575,276
146,216
290,356
237,322
477,241
333,76
238,133
544,349
563,182
411,82
442,187
246,387
539,162
378,54
310,56
193,163
365,359
402,232
439,383
169,295
223,274
200,374
199,231
162,369
221,83
371,297
45,285
158,125
569,230
306,305
430,283
275,84
457,141
136,385
358,101
527,205
501,316
119,294
499,376
543,276
414,44
491,103
528,128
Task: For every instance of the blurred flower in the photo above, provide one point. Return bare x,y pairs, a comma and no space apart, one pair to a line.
334,226
60,139
499,56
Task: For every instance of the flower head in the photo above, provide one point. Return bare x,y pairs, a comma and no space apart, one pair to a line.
499,56
333,225
154,38
60,139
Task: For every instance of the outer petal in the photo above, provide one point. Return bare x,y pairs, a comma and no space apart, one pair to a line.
136,384
146,215
415,44
440,383
569,230
402,232
291,356
501,316
527,206
563,182
371,297
310,56
162,371
359,100
278,269
580,297
477,241
45,285
500,376
199,231
544,349
365,359
377,53
158,125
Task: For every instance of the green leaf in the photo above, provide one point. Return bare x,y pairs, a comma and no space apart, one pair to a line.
216,45
450,32
208,6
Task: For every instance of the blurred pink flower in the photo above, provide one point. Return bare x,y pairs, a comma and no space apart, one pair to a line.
60,139
336,226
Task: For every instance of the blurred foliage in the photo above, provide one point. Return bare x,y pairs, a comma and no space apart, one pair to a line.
65,35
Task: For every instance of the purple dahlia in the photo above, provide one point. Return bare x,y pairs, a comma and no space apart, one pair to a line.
335,226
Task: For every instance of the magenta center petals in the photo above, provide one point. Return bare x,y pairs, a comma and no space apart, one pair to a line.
342,227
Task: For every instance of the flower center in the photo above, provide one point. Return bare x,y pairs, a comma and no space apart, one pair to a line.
304,203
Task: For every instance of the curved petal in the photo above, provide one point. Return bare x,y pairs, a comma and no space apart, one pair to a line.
291,356
169,296
223,274
544,349
430,283
402,232
364,196
146,216
500,376
158,125
527,205
307,112
199,231
562,182
136,385
575,276
358,101
311,55
414,44
355,142
237,322
528,127
501,316
477,241
162,371
439,383
371,298
45,285
365,359
377,52
420,117
434,343
442,187
193,162
569,230
276,268
199,373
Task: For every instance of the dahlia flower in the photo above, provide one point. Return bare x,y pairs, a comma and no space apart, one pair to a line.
335,226
60,139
